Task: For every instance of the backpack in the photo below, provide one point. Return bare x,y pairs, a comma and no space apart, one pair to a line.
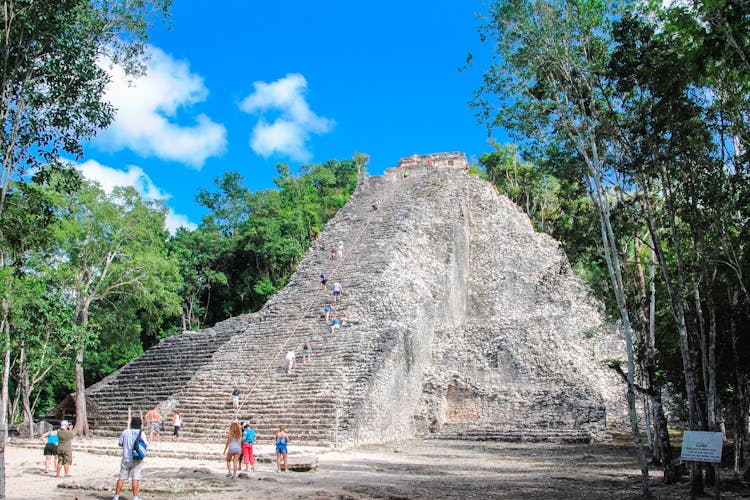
139,447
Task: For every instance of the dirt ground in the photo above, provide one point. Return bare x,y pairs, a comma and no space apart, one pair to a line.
408,470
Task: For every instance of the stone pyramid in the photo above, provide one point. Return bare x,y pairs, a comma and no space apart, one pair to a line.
463,322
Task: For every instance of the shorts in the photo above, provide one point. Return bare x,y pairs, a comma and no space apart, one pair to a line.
50,449
281,449
130,468
64,457
155,427
305,352
176,432
236,400
323,282
337,293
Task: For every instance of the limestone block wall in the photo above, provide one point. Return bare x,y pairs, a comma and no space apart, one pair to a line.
435,160
422,288
531,352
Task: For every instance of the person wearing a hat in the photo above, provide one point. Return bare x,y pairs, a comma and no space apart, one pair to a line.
64,447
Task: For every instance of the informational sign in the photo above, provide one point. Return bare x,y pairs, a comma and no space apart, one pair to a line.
700,446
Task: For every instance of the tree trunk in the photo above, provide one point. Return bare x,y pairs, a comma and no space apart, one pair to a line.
82,422
695,421
24,389
5,396
615,273
661,448
742,433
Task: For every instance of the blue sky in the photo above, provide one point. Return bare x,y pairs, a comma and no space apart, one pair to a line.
239,85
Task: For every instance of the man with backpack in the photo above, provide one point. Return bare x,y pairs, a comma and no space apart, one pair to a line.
129,465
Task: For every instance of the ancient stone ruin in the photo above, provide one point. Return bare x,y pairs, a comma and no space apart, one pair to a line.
463,322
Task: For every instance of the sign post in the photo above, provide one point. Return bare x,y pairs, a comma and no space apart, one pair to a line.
701,446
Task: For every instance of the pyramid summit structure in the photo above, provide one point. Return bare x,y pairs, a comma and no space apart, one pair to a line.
462,322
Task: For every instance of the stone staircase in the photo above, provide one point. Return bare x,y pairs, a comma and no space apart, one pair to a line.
409,275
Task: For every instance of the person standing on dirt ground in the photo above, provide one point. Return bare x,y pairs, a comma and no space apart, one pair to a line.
177,424
248,439
340,249
65,438
282,439
233,449
50,439
154,420
130,467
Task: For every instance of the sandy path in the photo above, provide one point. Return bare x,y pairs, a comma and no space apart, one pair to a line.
409,470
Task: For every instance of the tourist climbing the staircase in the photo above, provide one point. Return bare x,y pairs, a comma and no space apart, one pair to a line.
336,291
248,439
327,310
375,204
233,449
306,352
333,253
291,361
282,440
236,398
336,323
340,249
323,280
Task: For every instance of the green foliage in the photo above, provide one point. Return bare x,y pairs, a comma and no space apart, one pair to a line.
50,104
248,245
644,112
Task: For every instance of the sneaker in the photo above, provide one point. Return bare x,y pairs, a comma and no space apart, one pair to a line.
234,477
229,474
136,498
116,497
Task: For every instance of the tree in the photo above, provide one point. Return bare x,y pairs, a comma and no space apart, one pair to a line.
653,108
52,79
53,73
526,184
544,84
111,246
248,244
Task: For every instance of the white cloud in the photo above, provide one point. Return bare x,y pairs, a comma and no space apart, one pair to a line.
146,109
289,132
109,178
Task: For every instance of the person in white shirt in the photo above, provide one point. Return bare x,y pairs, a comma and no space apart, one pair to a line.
291,361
